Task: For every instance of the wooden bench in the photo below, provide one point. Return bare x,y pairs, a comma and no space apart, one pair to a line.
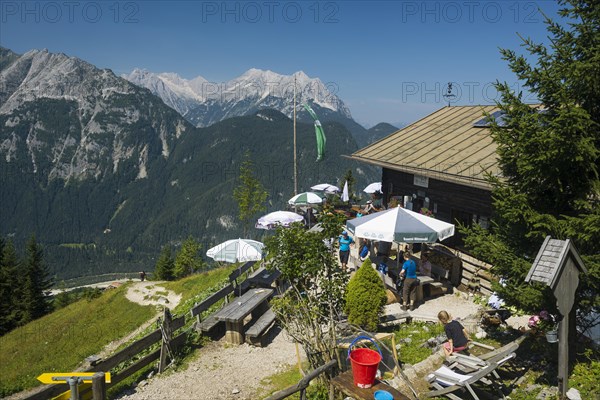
209,323
256,334
389,318
254,301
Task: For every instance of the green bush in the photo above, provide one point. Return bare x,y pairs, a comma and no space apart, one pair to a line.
365,297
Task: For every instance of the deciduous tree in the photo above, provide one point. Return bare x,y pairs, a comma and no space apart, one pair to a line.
309,309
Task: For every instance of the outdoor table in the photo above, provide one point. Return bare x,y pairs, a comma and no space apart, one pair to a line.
264,278
234,313
424,280
345,384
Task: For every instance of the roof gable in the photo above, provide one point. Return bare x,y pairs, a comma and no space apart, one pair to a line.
551,257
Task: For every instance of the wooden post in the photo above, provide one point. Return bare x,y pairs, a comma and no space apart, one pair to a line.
299,360
565,299
98,386
165,349
395,353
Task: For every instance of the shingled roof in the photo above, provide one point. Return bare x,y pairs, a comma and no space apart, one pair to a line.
445,145
550,260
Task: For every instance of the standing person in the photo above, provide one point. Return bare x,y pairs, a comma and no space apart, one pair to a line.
142,276
409,273
345,243
457,335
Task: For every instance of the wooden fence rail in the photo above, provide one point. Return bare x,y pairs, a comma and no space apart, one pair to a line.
163,335
127,353
303,384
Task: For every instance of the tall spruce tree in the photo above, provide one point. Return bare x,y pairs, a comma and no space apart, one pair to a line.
188,259
250,194
165,265
36,283
11,288
549,157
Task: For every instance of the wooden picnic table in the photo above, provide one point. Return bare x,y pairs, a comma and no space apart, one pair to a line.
264,278
254,301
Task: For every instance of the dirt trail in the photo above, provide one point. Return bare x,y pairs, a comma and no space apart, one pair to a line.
221,371
151,293
144,293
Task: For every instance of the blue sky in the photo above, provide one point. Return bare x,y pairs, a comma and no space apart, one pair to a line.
389,61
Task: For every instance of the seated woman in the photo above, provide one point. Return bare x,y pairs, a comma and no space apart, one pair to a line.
458,338
368,208
425,265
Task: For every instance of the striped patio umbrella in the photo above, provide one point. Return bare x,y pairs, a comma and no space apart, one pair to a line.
237,250
274,219
326,187
305,199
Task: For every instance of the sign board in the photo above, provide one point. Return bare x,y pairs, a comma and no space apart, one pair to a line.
61,377
420,180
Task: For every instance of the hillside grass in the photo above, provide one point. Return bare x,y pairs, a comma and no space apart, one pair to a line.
194,287
60,341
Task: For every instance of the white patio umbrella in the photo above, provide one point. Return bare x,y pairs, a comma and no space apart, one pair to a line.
237,250
400,225
326,187
345,196
305,199
373,187
272,220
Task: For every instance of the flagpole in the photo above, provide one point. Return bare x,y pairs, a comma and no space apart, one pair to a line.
295,161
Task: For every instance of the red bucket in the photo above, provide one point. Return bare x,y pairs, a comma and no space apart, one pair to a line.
364,364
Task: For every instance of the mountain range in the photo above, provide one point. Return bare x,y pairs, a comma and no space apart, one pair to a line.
104,173
203,103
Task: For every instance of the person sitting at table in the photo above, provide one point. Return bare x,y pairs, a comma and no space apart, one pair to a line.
368,208
425,265
425,270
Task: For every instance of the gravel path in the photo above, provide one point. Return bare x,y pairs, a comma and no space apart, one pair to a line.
221,371
224,371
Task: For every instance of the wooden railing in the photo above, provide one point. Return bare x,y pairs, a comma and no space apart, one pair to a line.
170,343
162,335
303,384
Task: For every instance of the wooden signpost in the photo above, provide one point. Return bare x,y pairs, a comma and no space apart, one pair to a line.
558,265
97,380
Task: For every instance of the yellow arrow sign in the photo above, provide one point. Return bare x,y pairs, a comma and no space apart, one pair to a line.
87,377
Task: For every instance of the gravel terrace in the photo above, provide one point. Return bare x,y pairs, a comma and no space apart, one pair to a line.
224,371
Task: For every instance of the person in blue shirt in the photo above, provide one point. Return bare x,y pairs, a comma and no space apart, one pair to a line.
345,243
409,274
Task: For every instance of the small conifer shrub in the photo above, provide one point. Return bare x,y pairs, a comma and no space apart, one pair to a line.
365,297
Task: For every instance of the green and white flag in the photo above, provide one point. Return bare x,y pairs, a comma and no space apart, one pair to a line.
321,140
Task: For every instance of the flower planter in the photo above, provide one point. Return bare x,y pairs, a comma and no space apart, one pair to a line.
552,336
